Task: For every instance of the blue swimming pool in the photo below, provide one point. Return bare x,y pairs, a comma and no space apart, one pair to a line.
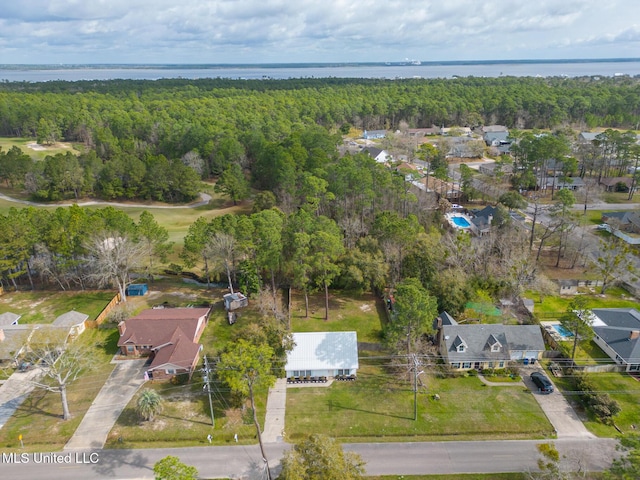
563,332
460,222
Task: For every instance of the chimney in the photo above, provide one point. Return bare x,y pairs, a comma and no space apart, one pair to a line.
122,327
634,334
490,219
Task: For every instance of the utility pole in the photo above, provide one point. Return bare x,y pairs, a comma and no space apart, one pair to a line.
416,364
207,387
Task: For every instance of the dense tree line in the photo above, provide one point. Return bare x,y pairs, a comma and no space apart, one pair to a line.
64,248
155,139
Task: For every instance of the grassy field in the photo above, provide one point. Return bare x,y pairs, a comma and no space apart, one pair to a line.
553,306
38,152
380,406
176,220
45,307
39,418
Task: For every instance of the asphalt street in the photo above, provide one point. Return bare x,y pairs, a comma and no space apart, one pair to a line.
245,462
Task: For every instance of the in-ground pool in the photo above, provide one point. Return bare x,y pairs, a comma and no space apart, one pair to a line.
460,221
563,332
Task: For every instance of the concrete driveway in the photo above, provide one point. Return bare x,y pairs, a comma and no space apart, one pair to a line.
118,390
561,415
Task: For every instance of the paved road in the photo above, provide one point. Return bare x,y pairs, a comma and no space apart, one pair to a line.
381,459
124,381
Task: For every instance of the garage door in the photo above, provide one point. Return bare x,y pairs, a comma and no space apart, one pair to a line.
531,354
516,355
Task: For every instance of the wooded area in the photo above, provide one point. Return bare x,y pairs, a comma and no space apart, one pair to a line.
155,139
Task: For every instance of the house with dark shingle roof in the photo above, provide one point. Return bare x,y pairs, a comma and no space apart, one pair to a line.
168,336
627,221
482,220
379,155
617,333
480,346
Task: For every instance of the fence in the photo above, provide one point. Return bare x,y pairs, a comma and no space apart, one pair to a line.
104,313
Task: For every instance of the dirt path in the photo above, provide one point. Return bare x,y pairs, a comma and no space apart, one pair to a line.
204,200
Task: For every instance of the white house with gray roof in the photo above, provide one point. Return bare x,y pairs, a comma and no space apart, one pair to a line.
323,354
617,333
480,346
74,321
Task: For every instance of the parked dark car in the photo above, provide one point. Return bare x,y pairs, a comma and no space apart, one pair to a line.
543,383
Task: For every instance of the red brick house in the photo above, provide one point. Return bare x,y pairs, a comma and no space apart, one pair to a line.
168,336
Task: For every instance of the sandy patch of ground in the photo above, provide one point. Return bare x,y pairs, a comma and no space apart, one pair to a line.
365,307
38,147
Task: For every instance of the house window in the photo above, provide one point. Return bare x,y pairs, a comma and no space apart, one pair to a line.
495,347
461,348
170,371
501,365
342,371
634,368
296,373
466,365
130,348
618,359
490,364
455,365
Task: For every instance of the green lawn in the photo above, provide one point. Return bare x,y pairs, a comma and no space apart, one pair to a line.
45,307
185,419
379,406
363,313
553,306
39,418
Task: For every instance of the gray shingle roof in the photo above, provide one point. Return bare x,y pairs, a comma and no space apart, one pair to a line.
614,328
70,319
479,339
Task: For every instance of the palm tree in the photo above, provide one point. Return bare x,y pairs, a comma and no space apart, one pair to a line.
149,403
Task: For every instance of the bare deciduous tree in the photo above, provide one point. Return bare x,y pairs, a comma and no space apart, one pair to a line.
61,362
112,259
220,250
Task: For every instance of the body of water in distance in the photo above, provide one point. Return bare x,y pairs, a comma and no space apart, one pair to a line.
555,68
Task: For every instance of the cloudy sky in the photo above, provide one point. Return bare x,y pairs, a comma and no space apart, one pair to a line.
270,31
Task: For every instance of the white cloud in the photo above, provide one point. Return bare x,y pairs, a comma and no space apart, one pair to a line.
252,31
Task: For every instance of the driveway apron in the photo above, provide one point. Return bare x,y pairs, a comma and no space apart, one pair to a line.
274,418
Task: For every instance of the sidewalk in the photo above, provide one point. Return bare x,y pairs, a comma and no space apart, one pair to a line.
274,418
118,390
14,391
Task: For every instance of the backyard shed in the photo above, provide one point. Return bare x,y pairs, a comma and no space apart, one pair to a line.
233,301
323,354
137,290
